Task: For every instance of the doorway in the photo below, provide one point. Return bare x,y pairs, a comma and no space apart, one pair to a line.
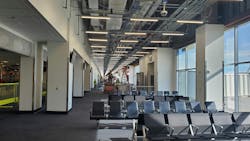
9,80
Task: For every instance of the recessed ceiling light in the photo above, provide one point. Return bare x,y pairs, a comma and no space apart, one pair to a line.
121,51
160,42
129,41
149,47
96,32
124,47
144,20
142,52
173,34
190,21
135,33
96,17
98,40
98,54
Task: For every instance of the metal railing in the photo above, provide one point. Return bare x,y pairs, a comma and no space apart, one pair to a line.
9,93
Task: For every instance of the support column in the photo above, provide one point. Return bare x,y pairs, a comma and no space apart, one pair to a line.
87,78
166,69
209,59
59,96
38,76
26,83
78,77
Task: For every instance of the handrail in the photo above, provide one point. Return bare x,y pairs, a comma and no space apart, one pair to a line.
9,84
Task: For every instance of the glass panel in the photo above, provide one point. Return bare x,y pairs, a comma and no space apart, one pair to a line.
243,42
181,59
229,90
182,82
229,46
191,84
244,87
191,56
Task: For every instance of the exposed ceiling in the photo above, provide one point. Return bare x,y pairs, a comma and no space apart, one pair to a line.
111,53
23,18
114,53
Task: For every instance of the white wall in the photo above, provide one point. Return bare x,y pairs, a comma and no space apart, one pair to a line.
57,92
26,83
166,59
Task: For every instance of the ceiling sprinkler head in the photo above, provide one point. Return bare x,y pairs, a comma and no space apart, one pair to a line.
164,11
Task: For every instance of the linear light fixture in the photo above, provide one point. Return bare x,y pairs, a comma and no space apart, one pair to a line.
135,33
160,42
129,41
142,52
190,21
173,34
124,47
98,54
138,55
98,46
96,17
143,20
118,54
98,51
149,47
96,32
97,40
121,51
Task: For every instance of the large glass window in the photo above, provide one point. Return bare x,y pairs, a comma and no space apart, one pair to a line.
237,68
186,71
229,46
243,42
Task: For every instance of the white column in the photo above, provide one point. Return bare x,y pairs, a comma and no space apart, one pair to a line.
131,74
166,69
26,83
210,55
38,76
87,78
58,77
78,77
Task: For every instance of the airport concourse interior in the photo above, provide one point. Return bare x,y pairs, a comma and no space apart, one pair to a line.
124,70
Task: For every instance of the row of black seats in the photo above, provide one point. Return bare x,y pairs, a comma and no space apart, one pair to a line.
196,125
132,109
129,98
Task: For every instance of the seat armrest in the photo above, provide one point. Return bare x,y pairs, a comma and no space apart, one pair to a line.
196,129
171,129
217,126
144,131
